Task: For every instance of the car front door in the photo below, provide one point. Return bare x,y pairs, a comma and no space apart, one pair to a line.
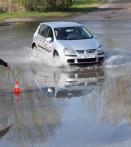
44,33
49,35
41,36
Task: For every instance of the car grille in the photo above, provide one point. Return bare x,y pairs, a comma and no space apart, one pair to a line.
86,51
90,51
87,60
80,51
71,61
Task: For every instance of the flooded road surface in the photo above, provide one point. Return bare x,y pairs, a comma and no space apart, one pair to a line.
66,106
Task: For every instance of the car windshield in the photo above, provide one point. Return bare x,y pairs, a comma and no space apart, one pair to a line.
72,33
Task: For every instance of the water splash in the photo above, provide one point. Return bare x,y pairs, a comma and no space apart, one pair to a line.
116,57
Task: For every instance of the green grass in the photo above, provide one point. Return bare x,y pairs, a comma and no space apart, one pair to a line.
87,1
84,7
4,16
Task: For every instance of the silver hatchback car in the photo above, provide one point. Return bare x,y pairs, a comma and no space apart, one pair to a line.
71,42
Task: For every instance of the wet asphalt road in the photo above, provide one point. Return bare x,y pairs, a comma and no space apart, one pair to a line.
66,106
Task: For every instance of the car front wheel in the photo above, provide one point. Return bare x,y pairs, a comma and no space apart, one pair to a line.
35,51
55,54
56,58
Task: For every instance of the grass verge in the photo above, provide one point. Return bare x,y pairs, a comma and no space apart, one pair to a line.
35,15
83,8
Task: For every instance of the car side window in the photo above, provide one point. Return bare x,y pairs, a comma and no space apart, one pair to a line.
50,33
43,30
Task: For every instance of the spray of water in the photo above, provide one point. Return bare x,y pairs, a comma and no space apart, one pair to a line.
116,57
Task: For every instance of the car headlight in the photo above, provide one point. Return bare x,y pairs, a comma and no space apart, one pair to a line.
100,48
69,51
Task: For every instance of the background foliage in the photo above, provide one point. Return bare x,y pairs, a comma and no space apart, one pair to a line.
45,5
42,5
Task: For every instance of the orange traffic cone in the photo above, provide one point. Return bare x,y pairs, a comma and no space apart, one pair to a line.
17,88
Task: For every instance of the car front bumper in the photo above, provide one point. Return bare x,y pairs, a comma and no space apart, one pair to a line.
85,60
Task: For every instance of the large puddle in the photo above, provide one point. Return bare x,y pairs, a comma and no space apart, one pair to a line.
66,106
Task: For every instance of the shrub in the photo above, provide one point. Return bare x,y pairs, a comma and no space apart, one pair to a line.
45,5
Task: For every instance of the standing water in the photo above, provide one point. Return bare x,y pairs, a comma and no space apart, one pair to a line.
66,106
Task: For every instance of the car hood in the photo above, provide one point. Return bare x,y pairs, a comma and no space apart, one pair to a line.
80,44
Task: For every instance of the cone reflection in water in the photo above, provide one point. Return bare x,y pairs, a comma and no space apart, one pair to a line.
17,94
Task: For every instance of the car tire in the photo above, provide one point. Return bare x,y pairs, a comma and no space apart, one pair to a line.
35,51
56,58
55,54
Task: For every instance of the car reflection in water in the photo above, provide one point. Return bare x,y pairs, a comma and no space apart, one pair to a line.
72,83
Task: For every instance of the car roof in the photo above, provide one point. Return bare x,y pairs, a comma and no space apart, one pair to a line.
58,24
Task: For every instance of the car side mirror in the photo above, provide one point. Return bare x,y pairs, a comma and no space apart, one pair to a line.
49,39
